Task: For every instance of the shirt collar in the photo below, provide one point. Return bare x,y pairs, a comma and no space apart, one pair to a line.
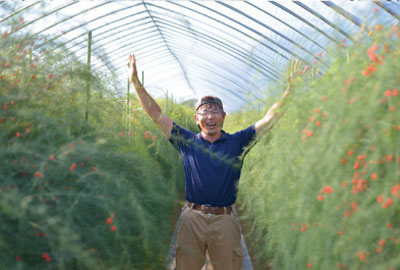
222,138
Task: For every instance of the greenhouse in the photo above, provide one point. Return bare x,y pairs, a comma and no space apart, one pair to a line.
200,135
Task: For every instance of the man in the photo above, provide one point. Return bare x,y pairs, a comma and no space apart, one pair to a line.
212,168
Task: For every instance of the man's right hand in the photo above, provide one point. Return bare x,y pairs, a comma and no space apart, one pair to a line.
133,77
149,105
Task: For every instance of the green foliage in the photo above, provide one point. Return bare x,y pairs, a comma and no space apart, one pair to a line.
83,185
88,184
322,191
181,114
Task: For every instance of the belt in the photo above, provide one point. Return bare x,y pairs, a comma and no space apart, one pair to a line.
208,209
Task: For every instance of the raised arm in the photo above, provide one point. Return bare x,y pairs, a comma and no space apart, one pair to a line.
271,117
149,105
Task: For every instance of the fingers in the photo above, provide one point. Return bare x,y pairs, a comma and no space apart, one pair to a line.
295,65
131,60
298,64
293,70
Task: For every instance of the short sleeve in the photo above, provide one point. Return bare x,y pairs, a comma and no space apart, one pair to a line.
179,136
245,136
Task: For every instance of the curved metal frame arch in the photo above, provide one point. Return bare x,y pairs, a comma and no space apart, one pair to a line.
257,63
180,64
288,25
45,15
203,66
153,57
325,20
343,12
99,27
267,27
148,43
153,5
182,41
78,26
149,31
86,22
18,11
66,19
200,55
256,32
304,21
245,56
211,38
171,37
235,29
197,54
104,33
143,45
387,9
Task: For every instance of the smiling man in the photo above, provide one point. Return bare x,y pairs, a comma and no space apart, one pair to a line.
212,165
210,116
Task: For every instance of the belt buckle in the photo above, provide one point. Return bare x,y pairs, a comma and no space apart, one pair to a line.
203,208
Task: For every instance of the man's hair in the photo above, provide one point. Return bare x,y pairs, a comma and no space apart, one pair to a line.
207,100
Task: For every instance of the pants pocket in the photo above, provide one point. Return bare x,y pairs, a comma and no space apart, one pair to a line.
178,257
237,263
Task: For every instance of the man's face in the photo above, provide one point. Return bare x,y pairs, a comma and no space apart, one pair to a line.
209,117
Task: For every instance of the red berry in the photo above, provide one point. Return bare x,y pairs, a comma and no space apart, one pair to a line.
328,189
147,135
73,167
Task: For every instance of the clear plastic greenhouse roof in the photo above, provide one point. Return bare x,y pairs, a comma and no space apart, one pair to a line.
188,49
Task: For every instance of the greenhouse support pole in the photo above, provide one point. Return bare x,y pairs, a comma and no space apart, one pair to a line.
89,76
143,78
127,105
166,102
172,101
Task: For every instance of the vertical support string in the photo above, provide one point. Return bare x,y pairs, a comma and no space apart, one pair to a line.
89,76
127,106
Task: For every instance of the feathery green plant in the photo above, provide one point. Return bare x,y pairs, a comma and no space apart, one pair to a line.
77,194
322,190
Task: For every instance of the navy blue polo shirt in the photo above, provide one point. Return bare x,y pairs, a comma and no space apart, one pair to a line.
211,169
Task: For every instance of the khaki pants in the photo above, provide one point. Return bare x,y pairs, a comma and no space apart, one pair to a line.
220,234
